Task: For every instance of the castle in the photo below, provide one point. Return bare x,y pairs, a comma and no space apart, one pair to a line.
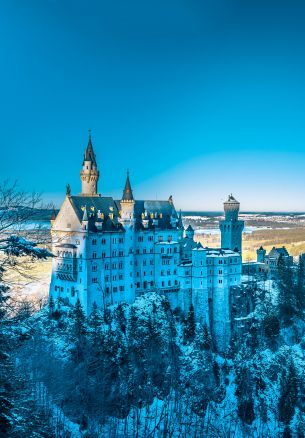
109,251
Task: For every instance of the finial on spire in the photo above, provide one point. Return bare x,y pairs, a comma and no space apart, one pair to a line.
68,189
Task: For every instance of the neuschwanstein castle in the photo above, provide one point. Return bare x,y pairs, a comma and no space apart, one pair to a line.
109,251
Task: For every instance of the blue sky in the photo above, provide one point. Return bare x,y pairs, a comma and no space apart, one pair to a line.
197,98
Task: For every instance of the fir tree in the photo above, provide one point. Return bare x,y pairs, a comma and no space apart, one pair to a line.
300,289
78,332
286,297
51,306
203,337
189,326
288,394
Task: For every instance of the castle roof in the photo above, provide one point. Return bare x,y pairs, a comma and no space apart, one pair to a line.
161,210
279,251
89,152
127,192
190,228
110,210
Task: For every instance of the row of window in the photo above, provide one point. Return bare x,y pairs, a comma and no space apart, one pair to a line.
114,240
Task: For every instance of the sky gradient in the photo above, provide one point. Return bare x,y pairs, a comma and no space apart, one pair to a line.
197,98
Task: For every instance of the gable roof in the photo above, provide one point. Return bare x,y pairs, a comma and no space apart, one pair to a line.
163,210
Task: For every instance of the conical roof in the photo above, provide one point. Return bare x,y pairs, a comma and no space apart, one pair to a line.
127,192
89,152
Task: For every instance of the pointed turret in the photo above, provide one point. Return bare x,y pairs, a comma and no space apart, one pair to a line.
89,152
127,192
85,215
89,173
85,219
180,223
127,202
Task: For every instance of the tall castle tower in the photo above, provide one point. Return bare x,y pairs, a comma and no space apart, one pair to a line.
127,202
89,174
231,227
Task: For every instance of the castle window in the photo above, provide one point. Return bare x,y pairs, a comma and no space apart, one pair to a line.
160,238
115,289
113,265
162,250
140,239
138,251
151,250
168,272
144,250
130,274
151,262
162,273
107,278
151,283
220,281
103,241
144,262
220,271
94,242
120,277
138,275
121,265
150,238
121,253
114,277
106,266
169,282
121,288
175,272
94,255
94,268
162,283
170,238
107,290
77,242
175,249
138,285
114,253
114,240
94,280
176,282
103,255
80,280
144,274
121,240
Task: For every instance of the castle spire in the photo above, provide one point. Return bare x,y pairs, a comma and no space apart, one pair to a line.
127,192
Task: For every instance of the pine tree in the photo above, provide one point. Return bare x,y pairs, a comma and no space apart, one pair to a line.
120,317
271,326
288,394
189,326
286,297
78,332
203,337
300,289
51,306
